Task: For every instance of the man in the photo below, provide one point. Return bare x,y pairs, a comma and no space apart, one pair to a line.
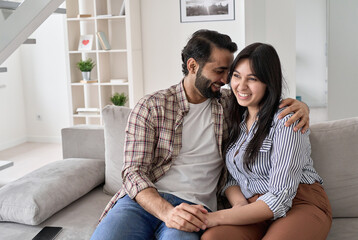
173,164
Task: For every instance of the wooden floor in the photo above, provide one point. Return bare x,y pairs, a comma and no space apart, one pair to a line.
26,158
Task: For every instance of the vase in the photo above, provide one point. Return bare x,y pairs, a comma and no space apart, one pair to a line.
86,76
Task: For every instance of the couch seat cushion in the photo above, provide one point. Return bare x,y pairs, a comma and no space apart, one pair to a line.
343,229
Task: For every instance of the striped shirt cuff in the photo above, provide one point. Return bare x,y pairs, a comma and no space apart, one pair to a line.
275,203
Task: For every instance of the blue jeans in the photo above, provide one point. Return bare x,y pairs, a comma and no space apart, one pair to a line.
127,220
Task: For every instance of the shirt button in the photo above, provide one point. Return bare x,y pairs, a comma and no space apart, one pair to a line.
286,191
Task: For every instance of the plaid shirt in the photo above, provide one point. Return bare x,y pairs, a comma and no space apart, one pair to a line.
154,138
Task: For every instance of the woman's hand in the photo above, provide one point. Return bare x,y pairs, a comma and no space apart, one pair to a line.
211,220
301,112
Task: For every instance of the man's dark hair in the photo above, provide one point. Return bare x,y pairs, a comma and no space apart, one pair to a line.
201,44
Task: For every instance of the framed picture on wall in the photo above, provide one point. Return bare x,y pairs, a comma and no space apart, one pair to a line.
85,43
206,10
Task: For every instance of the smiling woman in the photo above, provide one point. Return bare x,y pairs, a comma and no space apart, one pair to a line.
271,175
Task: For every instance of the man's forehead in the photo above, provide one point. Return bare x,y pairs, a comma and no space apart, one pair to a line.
220,57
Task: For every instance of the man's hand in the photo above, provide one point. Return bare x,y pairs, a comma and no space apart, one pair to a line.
185,217
301,112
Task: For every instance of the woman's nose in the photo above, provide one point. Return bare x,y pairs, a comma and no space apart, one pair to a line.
242,85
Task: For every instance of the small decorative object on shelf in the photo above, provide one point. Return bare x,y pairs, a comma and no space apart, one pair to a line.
88,111
88,81
85,43
118,81
119,99
86,66
85,15
103,41
104,16
122,12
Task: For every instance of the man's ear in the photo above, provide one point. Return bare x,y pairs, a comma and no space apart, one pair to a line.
192,65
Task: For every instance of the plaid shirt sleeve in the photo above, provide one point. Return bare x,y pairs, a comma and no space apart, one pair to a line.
139,149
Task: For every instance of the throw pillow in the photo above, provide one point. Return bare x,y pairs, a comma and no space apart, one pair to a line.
115,121
41,193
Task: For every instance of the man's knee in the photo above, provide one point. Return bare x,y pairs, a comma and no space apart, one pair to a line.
171,233
126,220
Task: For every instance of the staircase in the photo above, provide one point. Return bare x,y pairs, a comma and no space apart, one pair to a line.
19,20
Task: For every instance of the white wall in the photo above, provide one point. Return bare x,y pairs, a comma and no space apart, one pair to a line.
164,36
274,22
45,82
311,70
12,107
36,84
342,59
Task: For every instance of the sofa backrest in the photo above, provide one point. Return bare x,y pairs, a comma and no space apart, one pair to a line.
83,141
335,156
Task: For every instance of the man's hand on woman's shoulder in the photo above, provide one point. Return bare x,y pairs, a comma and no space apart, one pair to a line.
301,113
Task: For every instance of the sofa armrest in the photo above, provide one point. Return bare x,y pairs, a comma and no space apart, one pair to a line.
83,141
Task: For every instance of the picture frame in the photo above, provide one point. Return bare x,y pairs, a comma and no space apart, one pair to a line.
85,43
206,10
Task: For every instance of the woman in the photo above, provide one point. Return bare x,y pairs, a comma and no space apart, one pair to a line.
274,191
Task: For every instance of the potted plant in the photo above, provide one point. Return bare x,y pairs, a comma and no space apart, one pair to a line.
119,99
86,66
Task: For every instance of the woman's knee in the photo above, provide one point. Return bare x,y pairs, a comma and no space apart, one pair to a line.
230,232
212,234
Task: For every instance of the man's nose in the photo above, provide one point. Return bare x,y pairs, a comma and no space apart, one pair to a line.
224,78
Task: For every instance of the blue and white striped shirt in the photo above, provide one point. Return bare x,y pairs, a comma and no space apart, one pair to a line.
283,163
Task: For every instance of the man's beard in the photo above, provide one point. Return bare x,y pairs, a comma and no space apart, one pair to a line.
203,84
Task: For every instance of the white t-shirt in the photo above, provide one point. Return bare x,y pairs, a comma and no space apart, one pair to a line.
195,173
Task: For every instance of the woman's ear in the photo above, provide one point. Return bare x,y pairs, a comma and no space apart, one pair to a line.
192,65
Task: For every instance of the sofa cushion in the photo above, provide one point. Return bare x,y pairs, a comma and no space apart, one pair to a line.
343,229
115,121
335,157
41,193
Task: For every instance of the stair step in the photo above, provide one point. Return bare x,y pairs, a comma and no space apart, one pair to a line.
13,5
30,41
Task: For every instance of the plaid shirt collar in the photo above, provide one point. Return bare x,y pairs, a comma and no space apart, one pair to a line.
182,99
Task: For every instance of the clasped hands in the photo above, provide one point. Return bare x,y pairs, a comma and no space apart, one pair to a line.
191,218
188,218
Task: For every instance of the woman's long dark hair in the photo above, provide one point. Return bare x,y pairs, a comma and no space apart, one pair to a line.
265,64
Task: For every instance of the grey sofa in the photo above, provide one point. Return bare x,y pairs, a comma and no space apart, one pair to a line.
334,151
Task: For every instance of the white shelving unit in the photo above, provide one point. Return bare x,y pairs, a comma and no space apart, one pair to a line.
122,61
